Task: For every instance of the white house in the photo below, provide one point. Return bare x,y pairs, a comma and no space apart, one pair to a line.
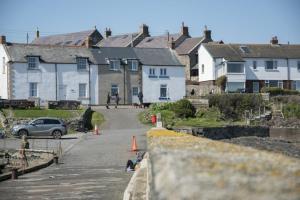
48,73
250,67
162,74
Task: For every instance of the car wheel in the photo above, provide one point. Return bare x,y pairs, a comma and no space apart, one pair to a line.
56,134
23,132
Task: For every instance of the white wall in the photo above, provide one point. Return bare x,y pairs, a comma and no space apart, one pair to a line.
294,73
262,74
175,84
45,77
3,76
204,58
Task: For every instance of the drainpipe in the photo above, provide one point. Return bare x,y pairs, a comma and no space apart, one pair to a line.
124,83
90,85
56,81
289,73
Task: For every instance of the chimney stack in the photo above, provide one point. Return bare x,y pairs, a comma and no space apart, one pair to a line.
88,42
274,40
207,34
107,32
37,34
2,39
144,29
172,43
184,30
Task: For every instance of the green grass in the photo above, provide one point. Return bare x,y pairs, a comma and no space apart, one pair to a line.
34,113
97,119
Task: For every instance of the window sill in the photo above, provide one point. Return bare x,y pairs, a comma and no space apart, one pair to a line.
271,70
164,98
115,70
152,76
163,76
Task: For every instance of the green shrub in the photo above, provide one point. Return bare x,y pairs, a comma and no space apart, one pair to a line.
183,108
286,99
291,110
274,91
221,82
161,106
208,113
233,106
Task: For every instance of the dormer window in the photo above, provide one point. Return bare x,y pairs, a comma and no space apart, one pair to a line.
133,65
82,63
114,65
33,62
271,65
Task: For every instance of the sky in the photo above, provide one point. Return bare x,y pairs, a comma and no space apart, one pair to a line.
233,21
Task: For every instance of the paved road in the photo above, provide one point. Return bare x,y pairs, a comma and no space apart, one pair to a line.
92,169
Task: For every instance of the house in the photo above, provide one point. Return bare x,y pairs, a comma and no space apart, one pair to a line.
124,40
44,72
69,39
249,67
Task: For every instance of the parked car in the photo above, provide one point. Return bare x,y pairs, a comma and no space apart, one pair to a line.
41,127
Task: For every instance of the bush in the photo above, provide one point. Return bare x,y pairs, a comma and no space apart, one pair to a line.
184,109
286,99
221,82
274,91
232,106
292,110
161,106
209,113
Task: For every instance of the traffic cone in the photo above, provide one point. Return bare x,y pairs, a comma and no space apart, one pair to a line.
133,144
96,130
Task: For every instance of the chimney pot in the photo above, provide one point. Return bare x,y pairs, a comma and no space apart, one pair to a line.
2,39
185,30
144,29
207,34
274,40
107,32
37,33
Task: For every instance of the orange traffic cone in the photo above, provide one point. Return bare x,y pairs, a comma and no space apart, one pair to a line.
133,144
96,130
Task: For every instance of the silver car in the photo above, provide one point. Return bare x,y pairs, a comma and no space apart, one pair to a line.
41,127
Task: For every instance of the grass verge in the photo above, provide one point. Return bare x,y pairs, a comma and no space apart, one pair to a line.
97,119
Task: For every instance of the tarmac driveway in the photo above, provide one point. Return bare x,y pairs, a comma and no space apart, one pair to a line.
93,169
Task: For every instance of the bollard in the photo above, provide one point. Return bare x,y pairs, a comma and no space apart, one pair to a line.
14,173
55,158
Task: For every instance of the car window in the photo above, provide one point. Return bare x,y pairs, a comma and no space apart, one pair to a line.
39,121
51,121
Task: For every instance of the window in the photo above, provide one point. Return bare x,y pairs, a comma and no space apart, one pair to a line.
152,73
202,69
163,91
271,65
254,64
298,66
280,84
82,90
51,121
39,121
296,85
235,68
235,86
274,83
135,91
114,65
81,63
33,89
33,62
255,87
133,65
3,65
114,89
163,72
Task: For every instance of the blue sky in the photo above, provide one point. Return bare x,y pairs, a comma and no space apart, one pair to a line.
233,21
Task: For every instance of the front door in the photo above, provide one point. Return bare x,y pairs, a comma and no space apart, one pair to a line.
255,87
135,92
62,92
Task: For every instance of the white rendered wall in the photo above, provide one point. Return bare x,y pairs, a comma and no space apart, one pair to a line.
281,73
3,76
175,84
207,60
294,72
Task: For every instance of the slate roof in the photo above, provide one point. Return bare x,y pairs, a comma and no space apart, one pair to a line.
69,39
118,40
233,52
188,45
157,41
47,53
67,54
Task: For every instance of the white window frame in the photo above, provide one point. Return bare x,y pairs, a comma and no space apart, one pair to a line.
113,87
33,89
152,72
133,65
163,71
82,63
163,86
33,62
3,65
231,63
274,65
82,86
114,65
